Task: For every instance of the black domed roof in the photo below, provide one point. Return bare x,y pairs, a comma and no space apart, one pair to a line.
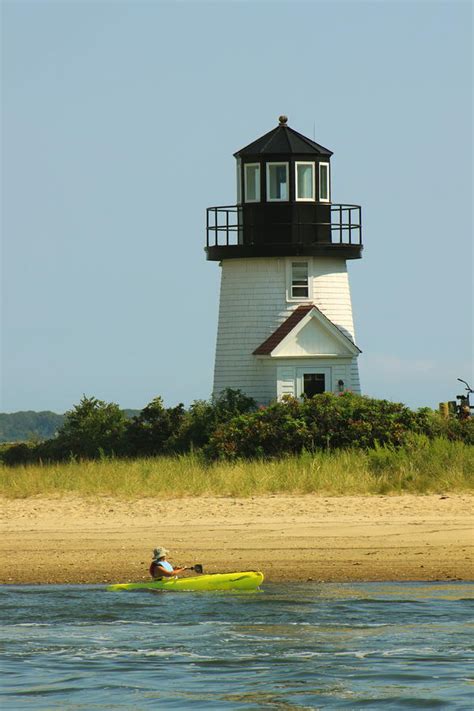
283,140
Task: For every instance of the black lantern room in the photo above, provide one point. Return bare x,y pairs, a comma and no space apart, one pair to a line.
284,205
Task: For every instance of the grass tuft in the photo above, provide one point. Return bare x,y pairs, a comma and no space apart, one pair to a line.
424,466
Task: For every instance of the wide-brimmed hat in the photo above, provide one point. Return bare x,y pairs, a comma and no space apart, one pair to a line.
159,553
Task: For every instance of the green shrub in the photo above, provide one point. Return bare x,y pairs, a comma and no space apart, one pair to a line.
451,428
90,430
205,416
18,453
152,431
323,422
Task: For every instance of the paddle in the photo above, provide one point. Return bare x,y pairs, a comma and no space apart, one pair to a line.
197,568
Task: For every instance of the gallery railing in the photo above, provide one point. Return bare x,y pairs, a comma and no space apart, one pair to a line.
225,225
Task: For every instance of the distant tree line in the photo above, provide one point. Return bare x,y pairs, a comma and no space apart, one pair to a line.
28,426
233,427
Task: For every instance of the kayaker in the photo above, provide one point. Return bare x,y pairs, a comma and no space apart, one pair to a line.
160,567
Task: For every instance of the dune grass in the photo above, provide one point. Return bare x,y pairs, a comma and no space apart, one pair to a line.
427,466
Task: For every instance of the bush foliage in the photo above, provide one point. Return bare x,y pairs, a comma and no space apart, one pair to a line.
325,421
230,427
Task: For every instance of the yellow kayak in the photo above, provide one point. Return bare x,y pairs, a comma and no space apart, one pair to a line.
219,581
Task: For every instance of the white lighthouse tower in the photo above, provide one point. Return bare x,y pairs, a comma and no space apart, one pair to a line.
285,313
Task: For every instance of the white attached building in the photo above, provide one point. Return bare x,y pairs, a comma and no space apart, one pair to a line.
285,314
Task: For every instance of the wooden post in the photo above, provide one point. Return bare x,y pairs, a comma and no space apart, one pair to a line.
444,409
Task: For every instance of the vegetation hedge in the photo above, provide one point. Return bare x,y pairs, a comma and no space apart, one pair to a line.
231,427
329,421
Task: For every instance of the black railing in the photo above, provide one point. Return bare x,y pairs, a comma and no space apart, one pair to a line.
346,224
226,222
224,226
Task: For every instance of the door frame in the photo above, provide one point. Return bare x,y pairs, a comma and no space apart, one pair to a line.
323,370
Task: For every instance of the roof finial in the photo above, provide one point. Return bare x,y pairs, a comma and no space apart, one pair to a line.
283,120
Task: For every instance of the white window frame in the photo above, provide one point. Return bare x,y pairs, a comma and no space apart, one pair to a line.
289,280
252,165
324,370
287,166
239,181
313,197
328,199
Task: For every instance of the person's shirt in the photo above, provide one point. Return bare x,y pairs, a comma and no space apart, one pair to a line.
164,564
155,571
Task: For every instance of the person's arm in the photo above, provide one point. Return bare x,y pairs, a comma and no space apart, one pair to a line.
167,573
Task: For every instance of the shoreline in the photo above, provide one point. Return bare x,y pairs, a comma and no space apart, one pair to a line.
69,539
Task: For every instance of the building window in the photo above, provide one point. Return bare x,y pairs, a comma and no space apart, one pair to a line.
324,182
299,280
313,384
304,181
277,182
313,381
252,182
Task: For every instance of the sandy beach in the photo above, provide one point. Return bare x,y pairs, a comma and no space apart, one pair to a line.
73,540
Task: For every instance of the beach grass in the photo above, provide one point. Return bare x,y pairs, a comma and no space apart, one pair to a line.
427,466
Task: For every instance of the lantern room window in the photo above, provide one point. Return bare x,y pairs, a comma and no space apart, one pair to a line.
304,181
324,182
277,182
252,182
299,280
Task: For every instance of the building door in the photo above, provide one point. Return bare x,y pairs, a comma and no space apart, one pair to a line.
312,381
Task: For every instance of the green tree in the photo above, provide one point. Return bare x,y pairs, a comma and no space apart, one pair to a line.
205,416
154,430
90,429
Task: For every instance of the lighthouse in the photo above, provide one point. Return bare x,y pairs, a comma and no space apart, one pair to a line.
285,323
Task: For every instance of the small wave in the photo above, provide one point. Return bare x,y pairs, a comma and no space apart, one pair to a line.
358,654
88,653
404,651
42,691
385,601
302,655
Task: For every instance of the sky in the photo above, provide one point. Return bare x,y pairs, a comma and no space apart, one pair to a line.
119,124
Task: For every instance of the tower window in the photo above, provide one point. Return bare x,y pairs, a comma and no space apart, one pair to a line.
324,182
299,280
252,182
304,181
277,182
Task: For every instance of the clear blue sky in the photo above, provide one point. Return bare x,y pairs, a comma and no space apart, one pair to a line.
119,121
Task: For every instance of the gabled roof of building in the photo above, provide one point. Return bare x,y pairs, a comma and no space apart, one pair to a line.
283,139
269,345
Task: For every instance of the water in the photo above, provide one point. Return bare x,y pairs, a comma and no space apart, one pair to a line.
298,646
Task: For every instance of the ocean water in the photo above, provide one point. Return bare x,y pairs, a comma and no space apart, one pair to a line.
291,646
